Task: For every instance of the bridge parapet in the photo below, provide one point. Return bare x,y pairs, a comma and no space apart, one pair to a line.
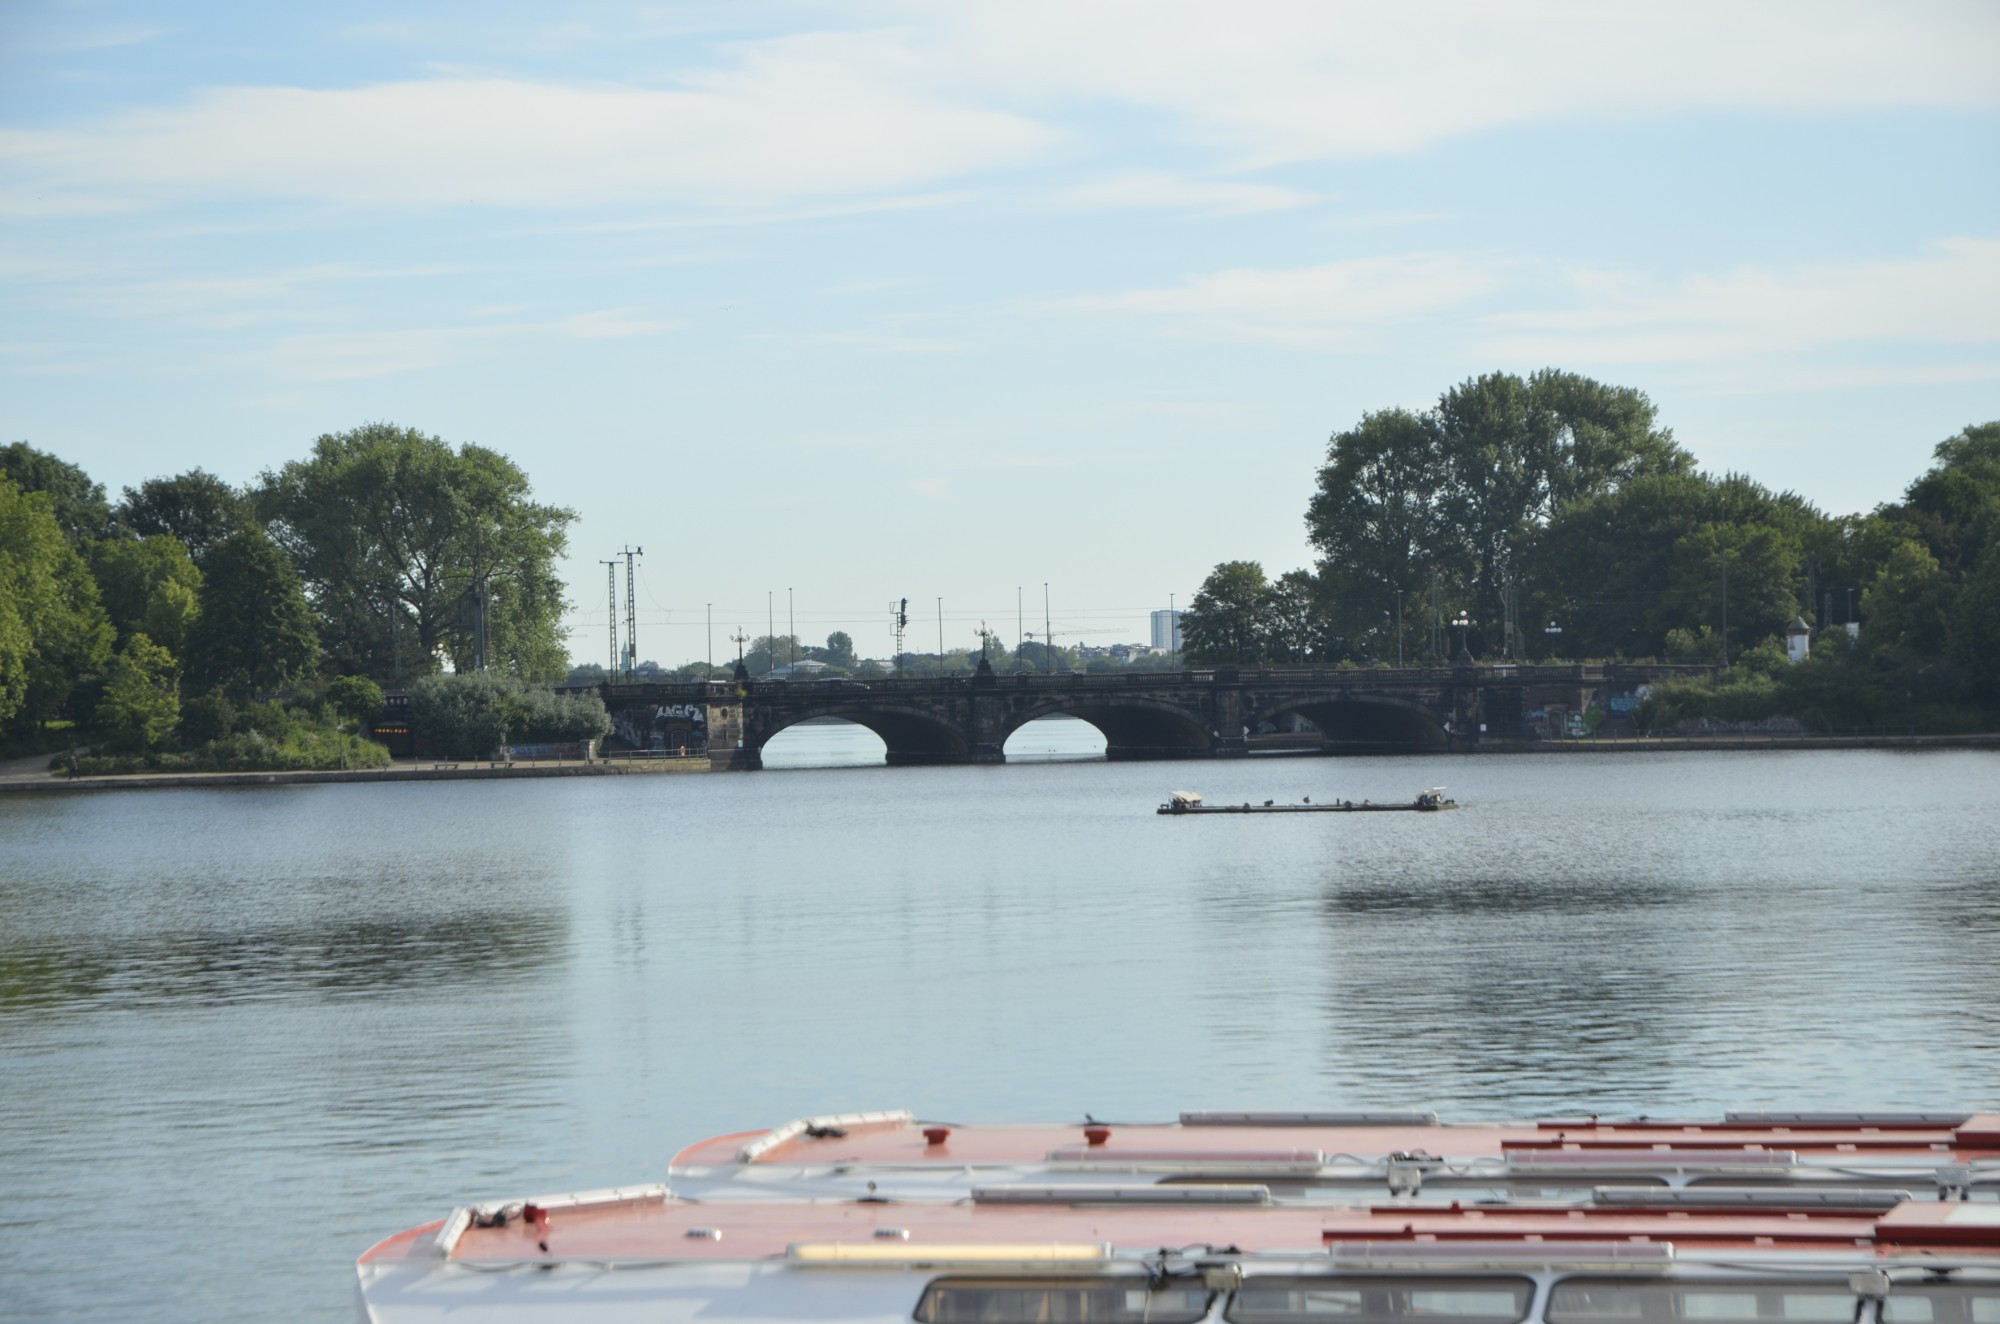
1150,714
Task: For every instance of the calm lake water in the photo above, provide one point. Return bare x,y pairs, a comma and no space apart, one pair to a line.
245,1033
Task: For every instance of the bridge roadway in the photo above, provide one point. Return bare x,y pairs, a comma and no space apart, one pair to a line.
1146,714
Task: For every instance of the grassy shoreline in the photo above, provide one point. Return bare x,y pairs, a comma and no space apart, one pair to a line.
406,772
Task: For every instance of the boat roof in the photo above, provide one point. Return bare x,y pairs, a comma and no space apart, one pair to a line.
898,1138
887,1188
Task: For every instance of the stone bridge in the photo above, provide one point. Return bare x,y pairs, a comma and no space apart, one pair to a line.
1216,713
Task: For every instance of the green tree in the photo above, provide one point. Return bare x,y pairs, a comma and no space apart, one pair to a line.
1296,622
767,653
255,630
1955,506
53,631
462,717
197,509
408,545
839,650
77,503
149,586
469,716
1227,620
1378,520
1909,604
1460,494
141,700
1520,451
355,698
1972,638
1743,573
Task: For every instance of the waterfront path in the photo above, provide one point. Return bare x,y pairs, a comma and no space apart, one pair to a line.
32,775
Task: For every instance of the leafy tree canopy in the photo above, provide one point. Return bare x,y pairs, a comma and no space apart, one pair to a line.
1909,604
1461,492
195,508
53,631
141,700
839,650
406,545
1225,622
1955,506
355,698
471,715
254,633
149,586
77,503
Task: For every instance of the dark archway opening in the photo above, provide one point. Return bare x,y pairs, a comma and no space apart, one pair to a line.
907,738
1365,727
1134,731
827,742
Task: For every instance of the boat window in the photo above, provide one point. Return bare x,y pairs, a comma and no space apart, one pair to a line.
1550,1187
1380,1300
1060,1301
1605,1301
1943,1303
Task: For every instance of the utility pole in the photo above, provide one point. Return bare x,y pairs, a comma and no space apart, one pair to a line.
770,631
631,613
1436,649
1048,642
940,636
479,639
1725,606
1173,635
611,596
1019,621
1399,627
708,658
792,629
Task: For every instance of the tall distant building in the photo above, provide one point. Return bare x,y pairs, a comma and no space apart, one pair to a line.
1167,630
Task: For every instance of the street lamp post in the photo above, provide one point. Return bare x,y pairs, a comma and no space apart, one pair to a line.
1554,636
1463,624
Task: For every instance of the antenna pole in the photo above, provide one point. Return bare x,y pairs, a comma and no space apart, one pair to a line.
631,613
611,596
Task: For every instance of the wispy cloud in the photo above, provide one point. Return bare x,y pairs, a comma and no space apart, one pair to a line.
1156,189
611,324
891,344
1336,306
1358,80
1948,295
70,41
783,131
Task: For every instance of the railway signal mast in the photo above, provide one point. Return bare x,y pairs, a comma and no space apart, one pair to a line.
611,585
631,614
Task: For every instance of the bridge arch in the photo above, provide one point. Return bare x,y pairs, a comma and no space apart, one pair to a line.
1362,723
1134,727
911,735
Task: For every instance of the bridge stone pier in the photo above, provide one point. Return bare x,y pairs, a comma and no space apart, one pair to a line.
1219,713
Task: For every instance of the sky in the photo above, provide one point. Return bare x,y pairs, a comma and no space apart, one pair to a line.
827,305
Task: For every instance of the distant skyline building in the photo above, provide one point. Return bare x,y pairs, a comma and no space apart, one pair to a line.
1167,630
